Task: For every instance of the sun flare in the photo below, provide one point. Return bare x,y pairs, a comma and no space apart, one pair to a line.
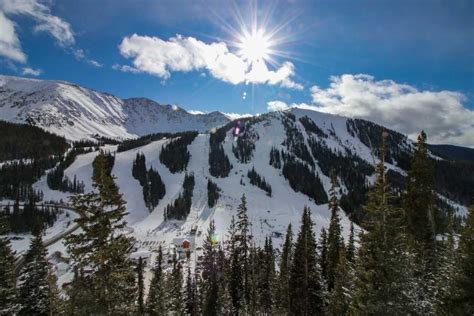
255,46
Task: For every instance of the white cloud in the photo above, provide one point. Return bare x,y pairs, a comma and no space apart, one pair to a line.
184,54
277,106
80,54
125,68
59,29
398,106
235,116
9,43
196,112
27,71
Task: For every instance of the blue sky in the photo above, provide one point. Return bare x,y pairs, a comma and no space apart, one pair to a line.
355,58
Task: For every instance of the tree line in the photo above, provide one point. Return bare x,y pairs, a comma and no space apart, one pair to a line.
153,187
180,208
175,154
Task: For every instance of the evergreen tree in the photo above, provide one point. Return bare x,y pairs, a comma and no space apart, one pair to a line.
156,295
100,251
419,203
463,298
239,259
383,276
140,294
351,251
34,292
445,273
323,253
56,303
334,238
306,286
191,303
283,289
175,288
340,296
210,273
266,280
8,303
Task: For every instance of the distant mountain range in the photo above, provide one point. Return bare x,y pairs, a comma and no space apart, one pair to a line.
76,112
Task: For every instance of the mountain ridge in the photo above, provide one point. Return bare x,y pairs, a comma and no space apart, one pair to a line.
75,112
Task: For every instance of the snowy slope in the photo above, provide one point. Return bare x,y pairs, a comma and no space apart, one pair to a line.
76,112
269,215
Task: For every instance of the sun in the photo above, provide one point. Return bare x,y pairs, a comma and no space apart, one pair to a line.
255,46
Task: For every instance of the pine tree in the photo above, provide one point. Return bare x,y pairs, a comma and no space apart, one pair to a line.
383,282
100,252
239,259
34,292
306,286
55,301
266,278
446,272
463,289
140,291
210,272
283,289
340,296
8,303
351,251
191,303
334,238
419,203
155,301
323,253
175,288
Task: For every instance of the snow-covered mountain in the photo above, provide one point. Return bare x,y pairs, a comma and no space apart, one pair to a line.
310,145
76,112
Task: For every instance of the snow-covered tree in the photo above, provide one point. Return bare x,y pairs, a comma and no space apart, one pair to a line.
100,251
8,303
155,304
34,292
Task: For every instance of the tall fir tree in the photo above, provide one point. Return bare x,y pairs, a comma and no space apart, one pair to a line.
446,272
283,287
334,239
155,304
419,204
140,287
463,290
8,302
191,296
239,259
175,297
323,253
351,250
100,252
382,277
340,296
210,272
266,279
34,291
307,295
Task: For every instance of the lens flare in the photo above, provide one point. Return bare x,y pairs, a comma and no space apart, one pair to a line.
255,46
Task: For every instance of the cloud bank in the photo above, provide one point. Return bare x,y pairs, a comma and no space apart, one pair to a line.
398,106
184,54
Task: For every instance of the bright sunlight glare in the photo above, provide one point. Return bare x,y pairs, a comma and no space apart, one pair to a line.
255,46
